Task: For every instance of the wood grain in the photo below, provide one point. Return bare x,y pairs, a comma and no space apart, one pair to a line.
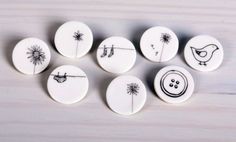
28,114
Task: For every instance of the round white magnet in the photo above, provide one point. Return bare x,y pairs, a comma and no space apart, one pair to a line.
73,39
31,56
116,55
159,44
67,84
174,84
204,53
126,95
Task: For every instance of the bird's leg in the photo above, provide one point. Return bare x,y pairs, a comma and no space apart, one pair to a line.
204,64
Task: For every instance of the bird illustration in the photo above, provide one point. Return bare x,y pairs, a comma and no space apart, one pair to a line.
204,54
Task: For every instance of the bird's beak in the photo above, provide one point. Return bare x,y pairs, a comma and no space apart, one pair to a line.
192,48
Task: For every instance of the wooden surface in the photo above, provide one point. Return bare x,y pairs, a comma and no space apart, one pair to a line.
27,114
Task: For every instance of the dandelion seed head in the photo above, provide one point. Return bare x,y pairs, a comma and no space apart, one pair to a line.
78,36
132,88
165,38
36,55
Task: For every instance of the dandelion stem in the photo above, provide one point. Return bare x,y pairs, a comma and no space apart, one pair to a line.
76,51
34,69
163,45
132,103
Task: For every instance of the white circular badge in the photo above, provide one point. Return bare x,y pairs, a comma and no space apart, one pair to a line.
126,95
159,44
73,39
174,84
204,53
31,56
67,84
116,54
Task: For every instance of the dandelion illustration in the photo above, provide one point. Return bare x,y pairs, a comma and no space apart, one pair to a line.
132,89
36,56
78,37
165,39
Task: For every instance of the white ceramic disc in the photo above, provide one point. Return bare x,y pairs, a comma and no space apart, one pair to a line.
67,84
126,95
204,53
116,54
159,44
174,84
73,39
31,56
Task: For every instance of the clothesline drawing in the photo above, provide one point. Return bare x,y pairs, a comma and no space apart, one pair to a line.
112,50
62,78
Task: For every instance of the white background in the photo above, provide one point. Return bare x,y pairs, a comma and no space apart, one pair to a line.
27,114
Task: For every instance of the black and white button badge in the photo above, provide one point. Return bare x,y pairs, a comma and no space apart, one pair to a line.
67,84
116,54
73,39
204,53
159,44
174,84
31,56
126,95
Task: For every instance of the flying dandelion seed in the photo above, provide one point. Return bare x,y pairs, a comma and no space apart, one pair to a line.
78,37
165,39
132,89
36,55
153,47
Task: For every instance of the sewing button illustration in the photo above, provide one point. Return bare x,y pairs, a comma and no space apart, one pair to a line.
31,56
204,53
116,55
159,44
174,84
73,39
126,95
67,84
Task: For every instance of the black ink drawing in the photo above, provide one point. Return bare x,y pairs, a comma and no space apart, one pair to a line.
62,78
78,37
165,39
36,56
204,54
171,88
104,52
132,89
153,47
112,50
